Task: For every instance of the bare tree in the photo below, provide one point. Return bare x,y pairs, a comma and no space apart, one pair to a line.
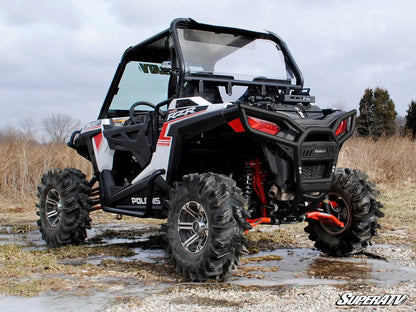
401,125
29,130
339,104
59,126
10,134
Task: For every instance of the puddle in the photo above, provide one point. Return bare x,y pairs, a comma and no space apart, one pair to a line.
73,301
280,267
304,266
149,256
143,240
118,233
28,238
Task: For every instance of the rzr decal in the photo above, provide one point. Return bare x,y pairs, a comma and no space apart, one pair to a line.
185,112
173,117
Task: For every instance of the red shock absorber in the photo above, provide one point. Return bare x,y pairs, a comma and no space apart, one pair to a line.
258,182
247,183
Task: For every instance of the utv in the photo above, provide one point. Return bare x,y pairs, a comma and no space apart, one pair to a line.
212,128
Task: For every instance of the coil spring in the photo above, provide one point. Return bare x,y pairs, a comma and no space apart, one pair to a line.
247,183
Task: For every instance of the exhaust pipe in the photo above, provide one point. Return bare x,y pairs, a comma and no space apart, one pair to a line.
273,191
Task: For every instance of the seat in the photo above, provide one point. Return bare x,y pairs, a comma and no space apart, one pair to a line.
210,92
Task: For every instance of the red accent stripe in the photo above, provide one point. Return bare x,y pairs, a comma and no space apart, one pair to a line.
236,125
162,135
98,139
92,128
166,140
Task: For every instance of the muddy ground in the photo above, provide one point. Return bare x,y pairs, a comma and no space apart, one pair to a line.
122,267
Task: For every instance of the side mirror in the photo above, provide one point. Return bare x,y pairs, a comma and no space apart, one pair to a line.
166,66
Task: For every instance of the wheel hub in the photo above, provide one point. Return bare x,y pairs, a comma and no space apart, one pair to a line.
198,227
193,227
341,212
53,207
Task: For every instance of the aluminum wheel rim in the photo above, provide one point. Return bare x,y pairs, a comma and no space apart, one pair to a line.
342,213
53,207
193,227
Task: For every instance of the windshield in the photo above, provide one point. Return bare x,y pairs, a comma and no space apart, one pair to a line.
141,81
243,58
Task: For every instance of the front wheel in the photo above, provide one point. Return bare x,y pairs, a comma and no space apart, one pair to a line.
205,226
63,207
353,201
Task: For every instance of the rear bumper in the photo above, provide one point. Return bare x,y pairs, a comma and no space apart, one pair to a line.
313,145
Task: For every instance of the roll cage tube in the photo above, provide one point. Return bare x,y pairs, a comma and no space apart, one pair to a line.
170,49
188,23
150,49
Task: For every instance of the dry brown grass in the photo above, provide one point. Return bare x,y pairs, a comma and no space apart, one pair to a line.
388,160
22,164
28,272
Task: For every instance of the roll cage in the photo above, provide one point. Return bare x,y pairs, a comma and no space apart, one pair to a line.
165,49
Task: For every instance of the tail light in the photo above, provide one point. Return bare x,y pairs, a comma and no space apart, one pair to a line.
341,128
263,125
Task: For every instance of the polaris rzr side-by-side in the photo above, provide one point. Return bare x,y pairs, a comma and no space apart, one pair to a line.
212,128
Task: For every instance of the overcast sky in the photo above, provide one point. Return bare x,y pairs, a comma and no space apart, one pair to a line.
60,56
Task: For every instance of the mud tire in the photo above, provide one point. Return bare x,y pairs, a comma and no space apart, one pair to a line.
222,244
63,207
363,210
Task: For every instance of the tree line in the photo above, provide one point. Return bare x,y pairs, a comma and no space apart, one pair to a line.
55,128
378,116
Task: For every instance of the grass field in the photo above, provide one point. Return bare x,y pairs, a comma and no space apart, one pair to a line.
391,163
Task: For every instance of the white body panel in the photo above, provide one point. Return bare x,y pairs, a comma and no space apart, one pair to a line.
102,152
160,159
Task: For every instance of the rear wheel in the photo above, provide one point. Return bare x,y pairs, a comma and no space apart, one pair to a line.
352,201
63,207
205,226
